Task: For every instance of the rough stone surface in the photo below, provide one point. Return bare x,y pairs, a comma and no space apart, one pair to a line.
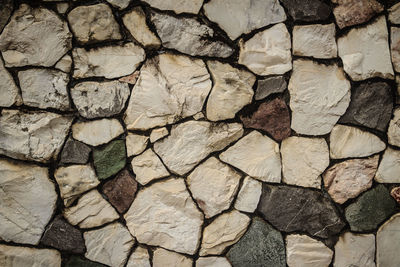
307,10
394,129
139,258
269,86
8,90
395,47
212,262
148,167
64,64
249,195
5,12
109,160
121,4
394,14
178,6
162,257
11,256
136,144
97,132
389,167
355,250
395,193
388,242
158,133
75,152
76,261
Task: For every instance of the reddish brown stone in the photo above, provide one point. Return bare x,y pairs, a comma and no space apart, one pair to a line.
395,193
131,79
272,117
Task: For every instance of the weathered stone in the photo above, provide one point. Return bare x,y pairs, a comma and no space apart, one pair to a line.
148,167
139,258
198,116
170,87
180,226
64,64
397,93
355,250
8,90
304,160
388,242
97,132
11,256
389,167
180,6
192,141
7,7
269,86
319,95
162,257
75,261
110,159
27,202
304,210
131,79
395,47
212,262
136,144
75,152
394,129
62,7
158,133
394,14
257,155
307,10
395,193
249,195
121,4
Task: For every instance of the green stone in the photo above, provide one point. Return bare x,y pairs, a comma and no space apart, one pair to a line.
75,261
109,160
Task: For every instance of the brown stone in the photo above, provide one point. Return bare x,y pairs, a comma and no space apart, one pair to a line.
131,79
395,193
272,117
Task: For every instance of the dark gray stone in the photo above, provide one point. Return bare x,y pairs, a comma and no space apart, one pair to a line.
6,8
75,261
75,152
307,10
271,85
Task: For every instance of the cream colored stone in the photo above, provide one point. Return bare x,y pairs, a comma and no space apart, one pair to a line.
64,64
136,144
389,167
212,262
121,4
12,256
162,257
148,167
355,250
388,242
157,134
395,47
394,14
394,129
62,7
249,195
97,132
8,89
139,258
178,6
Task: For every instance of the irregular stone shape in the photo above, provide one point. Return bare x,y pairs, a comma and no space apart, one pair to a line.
270,85
267,52
131,79
304,251
107,61
64,64
266,243
100,99
394,129
121,4
27,202
8,90
355,250
364,57
319,95
148,167
180,6
304,160
272,117
389,167
157,134
249,195
36,136
7,7
136,144
34,36
305,210
110,245
162,257
397,101
371,106
165,215
139,258
75,261
224,231
239,17
75,152
170,87
394,14
315,40
63,236
225,184
232,90
388,242
109,160
189,36
62,8
97,132
192,141
307,10
257,155
395,47
91,210
370,209
212,262
12,256
395,193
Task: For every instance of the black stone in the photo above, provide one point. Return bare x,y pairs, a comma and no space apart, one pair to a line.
271,85
6,8
307,10
75,261
75,152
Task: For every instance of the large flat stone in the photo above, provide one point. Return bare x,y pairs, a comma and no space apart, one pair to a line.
394,129
139,258
389,167
249,195
355,250
387,242
8,89
12,256
97,132
162,257
148,167
307,10
269,86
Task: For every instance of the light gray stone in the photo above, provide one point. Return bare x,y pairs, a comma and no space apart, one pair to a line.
97,132
394,129
64,64
148,167
249,195
139,258
162,257
389,167
178,6
135,144
355,250
269,86
12,256
212,262
8,89
388,242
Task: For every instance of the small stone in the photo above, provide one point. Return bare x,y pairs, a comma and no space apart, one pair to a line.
64,64
62,8
12,256
398,90
389,167
131,79
139,258
218,197
395,47
395,193
394,129
212,262
148,167
198,116
97,132
355,250
136,144
157,134
121,4
6,9
388,242
109,160
162,257
249,195
269,86
394,14
257,155
75,152
178,6
8,89
75,261
307,10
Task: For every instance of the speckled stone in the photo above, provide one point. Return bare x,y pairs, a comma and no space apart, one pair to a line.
110,159
75,152
270,85
307,10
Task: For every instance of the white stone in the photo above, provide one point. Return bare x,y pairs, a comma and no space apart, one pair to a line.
212,262
11,256
139,258
267,52
64,64
319,95
148,167
394,14
8,90
121,4
388,242
394,129
389,167
355,250
249,195
232,90
178,6
158,133
97,132
224,183
162,258
136,144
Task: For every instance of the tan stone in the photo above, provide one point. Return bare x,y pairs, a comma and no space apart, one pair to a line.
249,195
212,262
147,167
389,167
12,256
388,242
162,257
355,250
136,144
139,258
394,129
97,132
157,134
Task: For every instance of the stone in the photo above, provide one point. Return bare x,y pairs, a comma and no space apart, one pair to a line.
395,193
269,86
189,36
139,258
395,47
6,9
305,211
268,248
223,232
100,99
97,132
394,129
232,90
62,8
157,134
257,155
121,4
36,136
8,89
198,116
27,202
249,195
267,52
370,209
170,87
93,23
180,226
75,261
394,14
162,257
272,117
107,61
397,93
307,10
12,256
180,6
241,17
75,152
64,64
192,141
148,167
304,251
212,262
109,245
315,40
214,199
363,57
44,88
130,79
109,160
34,36
355,250
304,160
136,144
319,95
387,242
389,167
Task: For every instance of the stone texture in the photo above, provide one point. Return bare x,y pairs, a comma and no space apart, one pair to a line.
192,141
148,167
269,86
355,250
249,195
64,64
395,47
395,193
75,152
8,89
139,258
97,132
305,210
180,226
75,261
162,257
304,160
394,129
319,95
157,134
170,87
7,7
109,160
257,155
212,262
388,242
121,4
27,202
307,10
11,256
136,144
394,14
130,79
389,167
180,6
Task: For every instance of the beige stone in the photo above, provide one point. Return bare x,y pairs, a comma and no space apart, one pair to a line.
97,132
394,129
249,195
147,167
8,89
395,47
178,6
64,64
158,133
355,250
12,256
121,4
212,262
394,14
139,258
389,167
388,242
162,257
136,144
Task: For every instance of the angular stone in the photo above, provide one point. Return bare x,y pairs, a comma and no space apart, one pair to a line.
136,144
8,89
305,210
225,184
27,202
307,10
272,117
148,167
76,261
170,87
34,36
62,7
397,93
388,242
192,141
319,95
394,14
178,6
97,132
304,160
394,129
157,134
389,167
364,57
7,7
232,90
121,4
270,85
109,160
180,226
395,47
257,155
12,256
162,257
212,262
249,195
355,250
139,258
64,64
131,79
395,193
75,152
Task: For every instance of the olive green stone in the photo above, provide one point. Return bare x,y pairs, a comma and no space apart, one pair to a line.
110,159
75,261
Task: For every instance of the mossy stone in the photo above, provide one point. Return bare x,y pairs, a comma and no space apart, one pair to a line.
109,160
